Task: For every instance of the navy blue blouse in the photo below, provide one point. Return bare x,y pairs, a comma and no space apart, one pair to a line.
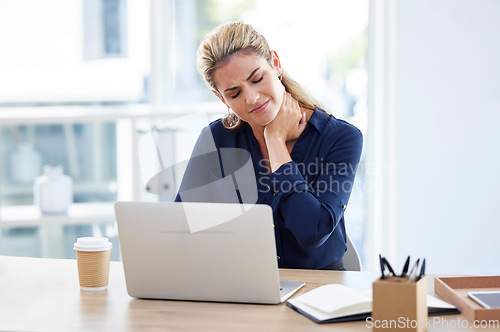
308,195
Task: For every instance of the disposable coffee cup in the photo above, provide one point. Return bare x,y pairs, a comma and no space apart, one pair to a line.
92,256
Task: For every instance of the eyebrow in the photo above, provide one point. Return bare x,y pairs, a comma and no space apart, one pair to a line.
248,78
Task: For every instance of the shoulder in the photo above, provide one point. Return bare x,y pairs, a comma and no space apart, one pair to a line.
217,128
223,136
333,128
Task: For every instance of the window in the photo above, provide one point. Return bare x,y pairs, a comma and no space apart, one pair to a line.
104,29
87,153
65,65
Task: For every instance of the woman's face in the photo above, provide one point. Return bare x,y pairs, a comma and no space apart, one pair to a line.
250,86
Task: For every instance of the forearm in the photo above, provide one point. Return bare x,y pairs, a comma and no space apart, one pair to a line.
310,216
278,153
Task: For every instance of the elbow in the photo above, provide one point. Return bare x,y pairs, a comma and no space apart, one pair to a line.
313,230
313,243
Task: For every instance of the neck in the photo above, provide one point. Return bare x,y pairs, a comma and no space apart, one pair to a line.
258,132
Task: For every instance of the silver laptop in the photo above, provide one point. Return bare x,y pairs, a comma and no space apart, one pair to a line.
200,251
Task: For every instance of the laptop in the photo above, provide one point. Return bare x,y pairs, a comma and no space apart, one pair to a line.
201,252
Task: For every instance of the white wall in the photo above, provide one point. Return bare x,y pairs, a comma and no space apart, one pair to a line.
446,134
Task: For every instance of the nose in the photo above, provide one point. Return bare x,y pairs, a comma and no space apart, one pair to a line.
251,96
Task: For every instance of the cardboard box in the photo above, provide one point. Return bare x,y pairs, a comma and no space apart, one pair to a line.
454,290
399,304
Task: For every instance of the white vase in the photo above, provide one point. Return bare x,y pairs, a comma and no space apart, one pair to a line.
53,191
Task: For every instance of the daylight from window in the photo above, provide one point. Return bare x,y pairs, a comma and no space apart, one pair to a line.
72,70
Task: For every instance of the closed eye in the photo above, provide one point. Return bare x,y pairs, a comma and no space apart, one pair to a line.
260,79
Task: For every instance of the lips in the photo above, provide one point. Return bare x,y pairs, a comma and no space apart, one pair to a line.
260,108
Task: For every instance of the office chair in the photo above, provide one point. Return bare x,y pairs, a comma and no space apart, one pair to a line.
351,259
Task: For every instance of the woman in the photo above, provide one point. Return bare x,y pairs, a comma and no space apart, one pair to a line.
276,146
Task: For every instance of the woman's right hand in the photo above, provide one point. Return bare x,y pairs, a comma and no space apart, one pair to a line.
289,123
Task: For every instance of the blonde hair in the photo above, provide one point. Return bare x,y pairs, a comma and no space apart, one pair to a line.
230,38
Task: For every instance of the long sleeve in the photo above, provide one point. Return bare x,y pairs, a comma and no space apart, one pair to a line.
312,210
308,195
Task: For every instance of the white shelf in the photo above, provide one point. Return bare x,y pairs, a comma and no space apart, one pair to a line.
80,213
79,114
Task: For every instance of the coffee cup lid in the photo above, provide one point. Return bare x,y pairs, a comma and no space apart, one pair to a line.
92,244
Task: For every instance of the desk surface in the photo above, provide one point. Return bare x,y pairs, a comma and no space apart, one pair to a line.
43,294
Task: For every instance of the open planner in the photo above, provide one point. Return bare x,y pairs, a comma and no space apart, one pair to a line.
338,303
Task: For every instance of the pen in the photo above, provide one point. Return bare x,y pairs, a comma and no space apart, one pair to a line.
422,270
405,268
389,267
381,266
414,271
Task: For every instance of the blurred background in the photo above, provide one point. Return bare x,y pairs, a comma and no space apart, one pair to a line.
88,57
83,81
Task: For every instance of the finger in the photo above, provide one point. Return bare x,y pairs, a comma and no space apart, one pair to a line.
293,102
303,117
283,102
287,98
302,123
290,102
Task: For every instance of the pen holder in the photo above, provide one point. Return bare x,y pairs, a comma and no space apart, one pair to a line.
399,304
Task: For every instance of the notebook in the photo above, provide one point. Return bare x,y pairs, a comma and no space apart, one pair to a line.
201,252
338,303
